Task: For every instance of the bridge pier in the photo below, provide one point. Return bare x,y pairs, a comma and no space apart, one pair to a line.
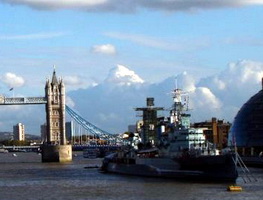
56,153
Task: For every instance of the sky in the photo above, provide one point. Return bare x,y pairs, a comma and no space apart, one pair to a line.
157,39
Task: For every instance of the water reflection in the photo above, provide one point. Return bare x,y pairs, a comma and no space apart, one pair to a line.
25,177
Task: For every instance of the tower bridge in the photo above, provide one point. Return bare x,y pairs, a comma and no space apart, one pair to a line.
56,147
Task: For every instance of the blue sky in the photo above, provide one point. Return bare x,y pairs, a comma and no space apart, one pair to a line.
154,43
156,39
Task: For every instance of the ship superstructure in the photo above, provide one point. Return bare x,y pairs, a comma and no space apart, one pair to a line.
181,137
176,150
150,121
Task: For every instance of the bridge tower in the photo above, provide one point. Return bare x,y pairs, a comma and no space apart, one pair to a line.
55,149
55,111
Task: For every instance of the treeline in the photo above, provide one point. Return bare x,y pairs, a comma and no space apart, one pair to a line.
14,143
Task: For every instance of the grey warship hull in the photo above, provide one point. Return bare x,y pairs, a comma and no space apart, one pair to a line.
208,168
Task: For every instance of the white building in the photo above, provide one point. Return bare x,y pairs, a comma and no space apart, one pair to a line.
19,132
43,130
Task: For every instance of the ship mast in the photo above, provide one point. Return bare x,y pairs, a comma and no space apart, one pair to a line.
178,107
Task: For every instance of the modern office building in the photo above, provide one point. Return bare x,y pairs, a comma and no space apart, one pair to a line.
43,131
247,130
69,131
19,132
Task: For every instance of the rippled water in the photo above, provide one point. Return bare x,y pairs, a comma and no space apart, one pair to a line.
25,177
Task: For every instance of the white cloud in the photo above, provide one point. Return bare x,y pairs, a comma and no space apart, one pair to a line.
219,96
142,40
234,86
202,97
70,102
171,44
73,80
202,102
186,82
104,49
121,75
238,81
59,4
12,80
111,108
132,5
248,41
76,82
32,36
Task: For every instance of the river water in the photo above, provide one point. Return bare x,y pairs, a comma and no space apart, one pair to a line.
25,177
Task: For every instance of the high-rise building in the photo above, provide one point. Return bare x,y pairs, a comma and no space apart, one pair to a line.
19,132
43,130
69,131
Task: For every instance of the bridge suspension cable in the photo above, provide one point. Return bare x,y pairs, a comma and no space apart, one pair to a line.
90,128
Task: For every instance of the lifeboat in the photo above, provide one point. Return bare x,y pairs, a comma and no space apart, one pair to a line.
234,188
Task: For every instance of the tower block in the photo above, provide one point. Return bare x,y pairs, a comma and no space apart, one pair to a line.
56,148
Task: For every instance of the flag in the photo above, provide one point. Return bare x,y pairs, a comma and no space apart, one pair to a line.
11,89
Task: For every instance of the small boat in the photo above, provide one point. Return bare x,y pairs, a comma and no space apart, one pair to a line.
3,150
234,188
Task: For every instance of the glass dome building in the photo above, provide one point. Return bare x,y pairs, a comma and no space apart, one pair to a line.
247,128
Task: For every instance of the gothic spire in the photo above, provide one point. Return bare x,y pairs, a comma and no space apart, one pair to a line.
54,78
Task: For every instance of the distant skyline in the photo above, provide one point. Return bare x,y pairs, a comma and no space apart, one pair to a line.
157,39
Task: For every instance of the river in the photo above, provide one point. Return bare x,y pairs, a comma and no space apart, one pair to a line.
24,176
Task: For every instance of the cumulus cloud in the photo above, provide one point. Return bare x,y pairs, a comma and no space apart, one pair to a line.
236,82
234,86
202,102
203,98
104,49
220,95
185,81
132,5
121,75
76,82
12,80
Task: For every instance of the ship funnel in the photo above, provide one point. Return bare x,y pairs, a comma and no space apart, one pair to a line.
150,101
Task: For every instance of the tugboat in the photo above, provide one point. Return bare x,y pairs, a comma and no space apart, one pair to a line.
170,148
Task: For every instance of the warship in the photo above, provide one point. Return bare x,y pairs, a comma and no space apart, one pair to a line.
170,148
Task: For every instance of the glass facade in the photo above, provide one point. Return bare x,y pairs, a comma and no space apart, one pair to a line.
247,128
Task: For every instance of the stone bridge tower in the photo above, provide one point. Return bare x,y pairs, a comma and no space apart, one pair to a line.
55,149
55,111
